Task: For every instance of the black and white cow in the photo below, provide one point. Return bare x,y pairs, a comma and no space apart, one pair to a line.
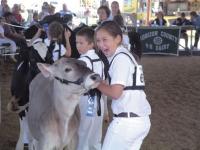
26,68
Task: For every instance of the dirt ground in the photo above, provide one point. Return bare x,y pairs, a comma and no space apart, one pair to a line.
173,90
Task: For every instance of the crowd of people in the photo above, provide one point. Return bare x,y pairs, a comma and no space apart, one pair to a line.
181,21
12,30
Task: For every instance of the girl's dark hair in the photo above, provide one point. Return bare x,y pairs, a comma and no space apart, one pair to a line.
136,45
107,10
119,20
35,14
193,13
88,33
7,14
56,30
111,27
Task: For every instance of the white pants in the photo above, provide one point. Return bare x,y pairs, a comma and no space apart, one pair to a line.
90,129
126,133
12,44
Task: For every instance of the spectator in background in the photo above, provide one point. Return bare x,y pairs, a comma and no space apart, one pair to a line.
51,10
45,11
4,7
114,10
195,20
7,9
159,21
5,40
17,18
65,10
182,21
11,33
104,13
67,15
16,10
35,19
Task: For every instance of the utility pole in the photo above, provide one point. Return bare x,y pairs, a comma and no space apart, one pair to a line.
148,11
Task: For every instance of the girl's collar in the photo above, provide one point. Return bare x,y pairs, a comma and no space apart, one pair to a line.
119,49
91,51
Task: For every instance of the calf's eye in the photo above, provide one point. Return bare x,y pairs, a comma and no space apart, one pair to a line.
68,69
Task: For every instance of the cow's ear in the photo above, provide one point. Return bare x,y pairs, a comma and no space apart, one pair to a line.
45,69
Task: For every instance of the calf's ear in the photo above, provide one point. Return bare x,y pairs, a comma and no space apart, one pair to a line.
45,69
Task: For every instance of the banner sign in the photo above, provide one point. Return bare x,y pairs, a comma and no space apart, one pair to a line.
159,40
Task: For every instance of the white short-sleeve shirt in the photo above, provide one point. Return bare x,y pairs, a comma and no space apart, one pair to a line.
55,52
98,67
121,72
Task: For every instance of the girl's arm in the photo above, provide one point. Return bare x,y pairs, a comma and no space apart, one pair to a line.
68,46
114,91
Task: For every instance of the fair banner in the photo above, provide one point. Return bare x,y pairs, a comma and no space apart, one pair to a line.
159,40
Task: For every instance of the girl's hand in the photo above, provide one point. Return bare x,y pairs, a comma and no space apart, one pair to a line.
68,46
67,34
106,118
39,32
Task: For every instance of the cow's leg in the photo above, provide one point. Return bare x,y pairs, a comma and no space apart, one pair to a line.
73,143
20,144
49,142
26,133
73,130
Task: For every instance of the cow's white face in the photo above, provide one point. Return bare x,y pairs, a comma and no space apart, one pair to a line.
74,72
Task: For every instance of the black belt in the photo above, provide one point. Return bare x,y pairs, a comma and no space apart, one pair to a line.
126,114
85,94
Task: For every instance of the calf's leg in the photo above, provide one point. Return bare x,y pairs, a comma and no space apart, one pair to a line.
73,131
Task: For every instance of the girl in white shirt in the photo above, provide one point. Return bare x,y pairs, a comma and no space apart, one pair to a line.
56,48
131,110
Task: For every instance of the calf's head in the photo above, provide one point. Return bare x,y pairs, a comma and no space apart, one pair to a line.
72,72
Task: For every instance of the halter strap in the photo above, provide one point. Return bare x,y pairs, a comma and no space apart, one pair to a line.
64,81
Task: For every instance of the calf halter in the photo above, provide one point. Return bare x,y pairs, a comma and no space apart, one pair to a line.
64,81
